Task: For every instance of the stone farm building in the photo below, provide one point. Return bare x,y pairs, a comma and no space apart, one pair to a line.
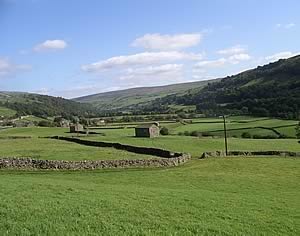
74,128
147,130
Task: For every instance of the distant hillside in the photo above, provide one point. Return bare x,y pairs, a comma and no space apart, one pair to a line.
41,105
270,90
127,99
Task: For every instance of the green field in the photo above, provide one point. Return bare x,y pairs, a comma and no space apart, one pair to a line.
50,149
34,131
194,145
238,125
232,196
252,196
6,112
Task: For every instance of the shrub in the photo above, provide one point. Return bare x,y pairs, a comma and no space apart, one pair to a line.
195,133
246,135
207,134
164,131
258,136
45,123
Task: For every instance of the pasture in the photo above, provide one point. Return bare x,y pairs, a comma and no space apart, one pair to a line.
225,196
233,196
124,133
50,149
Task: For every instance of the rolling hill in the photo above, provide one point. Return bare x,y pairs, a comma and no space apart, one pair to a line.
20,103
128,99
270,90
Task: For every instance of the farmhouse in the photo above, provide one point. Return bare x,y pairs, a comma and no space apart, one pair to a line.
147,130
74,128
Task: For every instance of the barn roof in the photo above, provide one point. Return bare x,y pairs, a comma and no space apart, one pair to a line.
145,126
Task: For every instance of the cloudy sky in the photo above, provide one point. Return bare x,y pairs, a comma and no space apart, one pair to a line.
71,48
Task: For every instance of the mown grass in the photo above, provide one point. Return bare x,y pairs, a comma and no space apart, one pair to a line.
49,149
234,196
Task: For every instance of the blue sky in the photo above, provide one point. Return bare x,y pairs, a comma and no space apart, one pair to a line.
73,48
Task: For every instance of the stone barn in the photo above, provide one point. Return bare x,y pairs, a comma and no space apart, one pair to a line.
74,128
147,130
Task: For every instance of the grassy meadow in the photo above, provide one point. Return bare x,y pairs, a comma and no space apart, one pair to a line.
227,196
238,125
252,196
50,149
125,135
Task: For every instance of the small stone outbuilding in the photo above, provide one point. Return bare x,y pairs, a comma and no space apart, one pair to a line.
147,130
75,128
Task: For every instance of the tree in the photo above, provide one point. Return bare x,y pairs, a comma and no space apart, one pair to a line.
45,123
246,135
164,131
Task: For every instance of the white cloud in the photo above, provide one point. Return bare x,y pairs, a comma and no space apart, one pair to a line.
152,75
291,25
43,91
145,58
155,70
280,55
167,42
56,44
238,49
8,68
203,77
285,26
211,64
237,58
234,59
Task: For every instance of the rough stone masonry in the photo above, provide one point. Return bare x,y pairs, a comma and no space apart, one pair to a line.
29,163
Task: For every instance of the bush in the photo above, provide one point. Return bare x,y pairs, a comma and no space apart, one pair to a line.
258,136
196,133
207,134
164,131
45,123
246,135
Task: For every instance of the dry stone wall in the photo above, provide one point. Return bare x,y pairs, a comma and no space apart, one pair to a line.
249,153
168,159
139,150
28,163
